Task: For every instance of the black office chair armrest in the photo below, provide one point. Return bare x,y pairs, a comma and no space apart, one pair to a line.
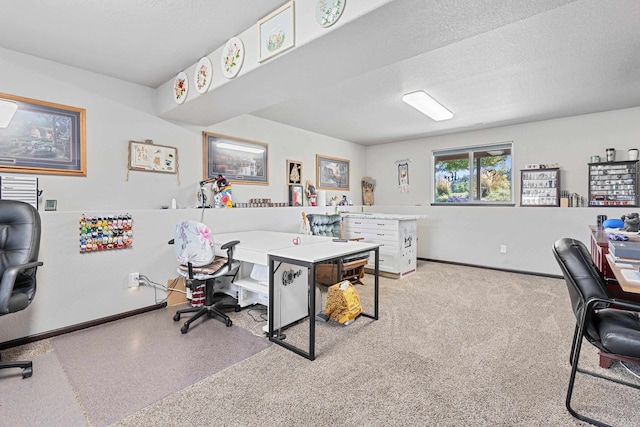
229,244
229,247
171,242
8,281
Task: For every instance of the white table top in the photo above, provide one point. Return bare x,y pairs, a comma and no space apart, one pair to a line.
254,245
323,251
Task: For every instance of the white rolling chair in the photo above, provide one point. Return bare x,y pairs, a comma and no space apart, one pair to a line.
193,246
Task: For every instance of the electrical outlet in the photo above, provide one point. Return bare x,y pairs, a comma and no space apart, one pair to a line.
503,249
134,280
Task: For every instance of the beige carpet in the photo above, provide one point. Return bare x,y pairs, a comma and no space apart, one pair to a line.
454,346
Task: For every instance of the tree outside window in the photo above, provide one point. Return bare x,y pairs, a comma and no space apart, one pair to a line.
477,175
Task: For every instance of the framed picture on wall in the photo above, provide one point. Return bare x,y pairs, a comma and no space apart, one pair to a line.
294,172
276,32
295,195
332,173
240,161
41,137
150,157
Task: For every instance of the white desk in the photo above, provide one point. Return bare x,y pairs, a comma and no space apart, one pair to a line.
308,256
253,250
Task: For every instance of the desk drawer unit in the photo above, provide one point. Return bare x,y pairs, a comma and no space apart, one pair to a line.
397,237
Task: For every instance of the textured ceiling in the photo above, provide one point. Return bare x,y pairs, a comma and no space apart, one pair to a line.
491,62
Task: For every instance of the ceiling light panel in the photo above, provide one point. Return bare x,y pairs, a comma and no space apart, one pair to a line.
427,105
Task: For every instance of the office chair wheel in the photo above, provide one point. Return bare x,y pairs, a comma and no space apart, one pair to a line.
27,372
176,317
184,329
228,322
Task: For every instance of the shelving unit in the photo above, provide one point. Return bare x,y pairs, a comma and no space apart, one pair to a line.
540,187
613,183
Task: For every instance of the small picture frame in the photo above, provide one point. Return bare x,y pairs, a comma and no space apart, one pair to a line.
294,172
295,195
276,32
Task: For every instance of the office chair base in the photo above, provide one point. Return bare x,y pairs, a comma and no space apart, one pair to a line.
27,367
210,311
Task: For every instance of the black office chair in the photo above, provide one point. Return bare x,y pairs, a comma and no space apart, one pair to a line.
615,331
19,248
348,268
198,264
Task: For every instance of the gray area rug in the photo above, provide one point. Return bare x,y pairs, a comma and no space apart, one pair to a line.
121,367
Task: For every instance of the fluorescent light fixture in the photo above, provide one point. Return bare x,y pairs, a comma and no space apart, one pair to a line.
7,110
427,105
239,148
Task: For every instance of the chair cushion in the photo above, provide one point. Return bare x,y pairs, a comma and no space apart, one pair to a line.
325,225
208,269
619,331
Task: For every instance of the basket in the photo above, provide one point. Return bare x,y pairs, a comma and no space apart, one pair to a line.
327,274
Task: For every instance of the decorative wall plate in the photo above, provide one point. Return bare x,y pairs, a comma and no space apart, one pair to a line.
203,75
329,11
180,87
232,57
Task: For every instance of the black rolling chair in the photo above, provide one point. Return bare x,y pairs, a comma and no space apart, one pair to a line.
198,264
616,332
19,248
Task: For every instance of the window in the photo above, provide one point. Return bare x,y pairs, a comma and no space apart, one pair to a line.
474,175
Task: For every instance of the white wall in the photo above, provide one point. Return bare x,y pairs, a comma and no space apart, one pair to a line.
75,288
473,235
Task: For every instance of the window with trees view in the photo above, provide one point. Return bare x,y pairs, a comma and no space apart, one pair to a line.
475,175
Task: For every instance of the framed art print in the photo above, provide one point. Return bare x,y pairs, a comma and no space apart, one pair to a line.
332,173
295,195
240,161
232,57
276,32
329,11
203,74
180,87
150,157
42,138
294,172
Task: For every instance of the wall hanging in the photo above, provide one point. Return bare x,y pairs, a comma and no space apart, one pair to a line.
203,75
329,11
98,233
43,138
294,172
332,173
276,32
149,157
241,161
232,57
180,87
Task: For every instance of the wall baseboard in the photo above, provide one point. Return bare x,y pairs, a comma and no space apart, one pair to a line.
50,334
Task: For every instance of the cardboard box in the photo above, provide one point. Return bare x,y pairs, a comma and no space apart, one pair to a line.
173,297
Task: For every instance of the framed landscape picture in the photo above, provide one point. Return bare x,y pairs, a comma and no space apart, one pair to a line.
332,173
42,138
240,161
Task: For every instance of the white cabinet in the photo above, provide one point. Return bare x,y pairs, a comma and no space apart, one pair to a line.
396,233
